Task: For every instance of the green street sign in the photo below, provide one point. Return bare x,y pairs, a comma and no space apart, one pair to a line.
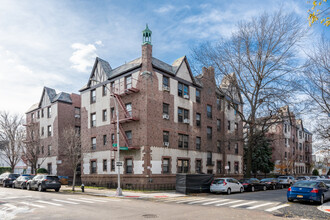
121,148
114,145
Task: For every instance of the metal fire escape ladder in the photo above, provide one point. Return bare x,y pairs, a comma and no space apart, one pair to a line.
124,135
122,105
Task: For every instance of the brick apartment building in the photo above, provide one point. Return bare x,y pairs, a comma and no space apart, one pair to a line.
292,144
170,122
47,119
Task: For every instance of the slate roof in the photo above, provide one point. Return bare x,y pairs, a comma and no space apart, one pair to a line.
305,130
33,107
125,67
105,66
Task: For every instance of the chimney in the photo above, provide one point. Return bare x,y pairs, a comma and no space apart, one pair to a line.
146,50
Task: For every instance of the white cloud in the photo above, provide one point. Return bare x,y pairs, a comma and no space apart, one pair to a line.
164,9
84,55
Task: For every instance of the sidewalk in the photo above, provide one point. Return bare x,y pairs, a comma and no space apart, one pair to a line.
127,194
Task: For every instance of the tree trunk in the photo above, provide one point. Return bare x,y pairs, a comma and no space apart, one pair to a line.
74,179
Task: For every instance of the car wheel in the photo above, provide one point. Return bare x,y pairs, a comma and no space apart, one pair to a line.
40,189
13,185
252,189
28,187
56,190
264,188
22,187
241,190
321,200
290,200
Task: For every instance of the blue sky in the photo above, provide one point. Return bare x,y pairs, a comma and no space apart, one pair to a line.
54,43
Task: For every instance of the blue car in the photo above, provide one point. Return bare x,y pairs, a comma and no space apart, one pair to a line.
309,191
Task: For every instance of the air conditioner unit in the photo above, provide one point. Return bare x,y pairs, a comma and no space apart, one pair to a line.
77,116
166,144
166,88
166,116
186,96
186,121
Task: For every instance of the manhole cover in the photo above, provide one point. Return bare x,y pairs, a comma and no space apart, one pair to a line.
150,216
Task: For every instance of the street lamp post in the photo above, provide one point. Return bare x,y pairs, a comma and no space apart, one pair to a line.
119,190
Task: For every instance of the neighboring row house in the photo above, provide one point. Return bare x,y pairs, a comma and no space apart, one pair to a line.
45,121
170,122
292,144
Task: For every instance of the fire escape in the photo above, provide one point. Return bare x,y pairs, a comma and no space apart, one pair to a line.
118,91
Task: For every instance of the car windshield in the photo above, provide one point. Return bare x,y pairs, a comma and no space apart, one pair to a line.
27,177
308,184
313,177
14,175
218,181
267,180
245,181
283,177
52,178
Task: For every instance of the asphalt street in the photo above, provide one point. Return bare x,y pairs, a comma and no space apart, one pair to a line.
23,204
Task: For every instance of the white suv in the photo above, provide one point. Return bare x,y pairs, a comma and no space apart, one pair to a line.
227,185
286,180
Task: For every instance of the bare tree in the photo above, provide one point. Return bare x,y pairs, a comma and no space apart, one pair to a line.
72,142
259,61
11,135
316,85
31,150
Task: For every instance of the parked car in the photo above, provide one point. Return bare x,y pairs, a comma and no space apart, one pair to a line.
314,178
21,181
326,181
227,185
272,183
286,180
2,176
309,191
8,179
44,182
299,178
253,184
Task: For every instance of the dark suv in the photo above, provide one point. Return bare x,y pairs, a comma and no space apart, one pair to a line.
8,178
44,182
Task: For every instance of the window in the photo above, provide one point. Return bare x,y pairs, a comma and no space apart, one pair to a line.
93,119
235,108
293,151
49,112
198,166
166,108
285,155
229,146
182,114
300,146
112,164
93,96
236,126
166,136
105,139
129,166
218,146
198,119
42,131
49,168
49,130
129,108
198,95
219,166
183,90
219,125
198,143
93,142
112,113
42,150
112,87
236,166
166,165
128,82
183,166
104,90
93,167
129,137
32,116
77,112
285,128
42,113
49,150
228,125
165,82
77,129
112,138
105,165
183,141
218,103
209,111
38,114
236,148
209,132
300,134
209,158
229,170
104,115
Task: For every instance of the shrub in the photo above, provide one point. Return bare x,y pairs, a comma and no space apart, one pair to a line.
315,172
42,170
5,170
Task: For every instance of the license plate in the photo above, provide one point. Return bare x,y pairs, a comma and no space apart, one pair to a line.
300,196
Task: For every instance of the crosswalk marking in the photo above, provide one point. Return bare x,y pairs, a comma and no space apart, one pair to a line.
227,203
30,204
80,200
260,205
93,200
49,203
277,207
64,201
199,201
186,200
217,201
242,204
10,206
